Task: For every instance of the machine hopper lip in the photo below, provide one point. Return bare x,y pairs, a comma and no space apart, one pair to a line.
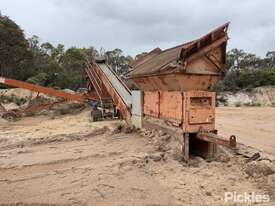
159,62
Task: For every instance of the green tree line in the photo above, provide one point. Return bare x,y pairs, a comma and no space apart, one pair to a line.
45,64
247,71
56,66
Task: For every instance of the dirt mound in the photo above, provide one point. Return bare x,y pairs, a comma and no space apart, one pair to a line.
264,95
68,108
17,92
124,128
259,168
260,96
71,160
6,144
164,144
17,98
22,97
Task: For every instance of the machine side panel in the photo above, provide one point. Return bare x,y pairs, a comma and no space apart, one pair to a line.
151,104
171,106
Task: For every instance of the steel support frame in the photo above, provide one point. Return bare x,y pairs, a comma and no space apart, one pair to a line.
40,89
212,139
120,104
186,147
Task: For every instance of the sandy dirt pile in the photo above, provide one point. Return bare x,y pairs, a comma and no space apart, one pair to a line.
260,96
17,92
20,96
13,99
72,161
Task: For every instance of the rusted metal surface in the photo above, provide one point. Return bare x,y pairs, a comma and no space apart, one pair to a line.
12,114
177,82
151,104
171,106
95,86
117,83
193,111
123,106
181,52
211,137
158,63
91,95
186,147
203,60
145,58
199,111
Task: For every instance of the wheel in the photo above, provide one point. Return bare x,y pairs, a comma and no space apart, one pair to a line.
10,116
96,115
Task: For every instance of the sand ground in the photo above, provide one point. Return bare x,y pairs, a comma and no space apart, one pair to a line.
69,160
253,126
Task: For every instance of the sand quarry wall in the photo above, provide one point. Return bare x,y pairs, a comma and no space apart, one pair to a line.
260,96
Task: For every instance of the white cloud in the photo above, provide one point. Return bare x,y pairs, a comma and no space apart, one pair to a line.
140,25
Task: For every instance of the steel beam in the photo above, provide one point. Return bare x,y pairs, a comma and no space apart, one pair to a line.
216,139
44,90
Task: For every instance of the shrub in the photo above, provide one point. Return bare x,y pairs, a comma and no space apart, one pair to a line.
222,99
256,104
39,79
252,104
237,104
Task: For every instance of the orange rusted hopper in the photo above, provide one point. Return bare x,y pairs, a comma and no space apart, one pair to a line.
176,83
196,65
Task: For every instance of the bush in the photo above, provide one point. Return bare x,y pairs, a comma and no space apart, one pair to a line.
256,105
252,104
39,79
237,104
222,99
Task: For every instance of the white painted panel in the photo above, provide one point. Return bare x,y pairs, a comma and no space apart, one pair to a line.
137,121
137,102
